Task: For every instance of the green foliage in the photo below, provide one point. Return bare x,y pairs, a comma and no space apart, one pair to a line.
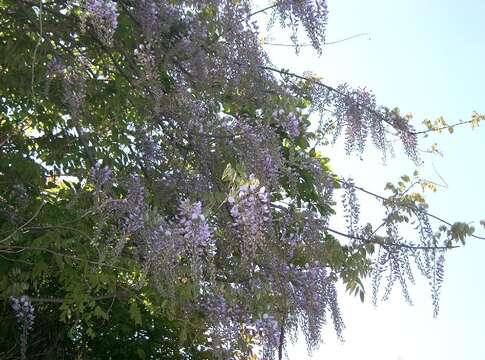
86,306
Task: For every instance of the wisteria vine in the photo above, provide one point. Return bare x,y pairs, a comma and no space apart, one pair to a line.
195,176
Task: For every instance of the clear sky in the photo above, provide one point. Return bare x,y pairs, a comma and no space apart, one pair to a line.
427,57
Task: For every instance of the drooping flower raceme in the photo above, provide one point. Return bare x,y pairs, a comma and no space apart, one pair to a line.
251,214
290,122
312,14
194,226
196,242
103,15
259,150
24,313
267,327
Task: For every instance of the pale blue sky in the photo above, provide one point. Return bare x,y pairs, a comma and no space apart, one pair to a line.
428,58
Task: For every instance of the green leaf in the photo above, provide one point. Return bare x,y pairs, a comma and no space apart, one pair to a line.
135,313
229,174
99,312
141,353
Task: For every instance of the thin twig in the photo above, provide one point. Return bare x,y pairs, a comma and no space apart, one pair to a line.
373,111
36,48
282,340
377,196
326,43
376,241
330,88
118,295
386,244
262,10
444,127
25,224
18,249
441,177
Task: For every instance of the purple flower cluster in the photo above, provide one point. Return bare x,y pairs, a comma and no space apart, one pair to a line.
268,328
291,122
229,320
101,176
293,125
103,15
270,163
73,78
74,85
351,206
148,14
352,111
356,111
251,213
146,59
408,137
238,67
149,81
148,144
437,282
135,206
310,293
24,313
394,259
225,324
259,150
189,47
195,241
314,294
312,14
194,226
125,218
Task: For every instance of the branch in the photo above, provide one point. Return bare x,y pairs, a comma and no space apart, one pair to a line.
332,89
282,340
121,295
19,249
386,244
373,111
447,127
262,10
26,223
39,41
382,198
327,43
83,139
375,240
